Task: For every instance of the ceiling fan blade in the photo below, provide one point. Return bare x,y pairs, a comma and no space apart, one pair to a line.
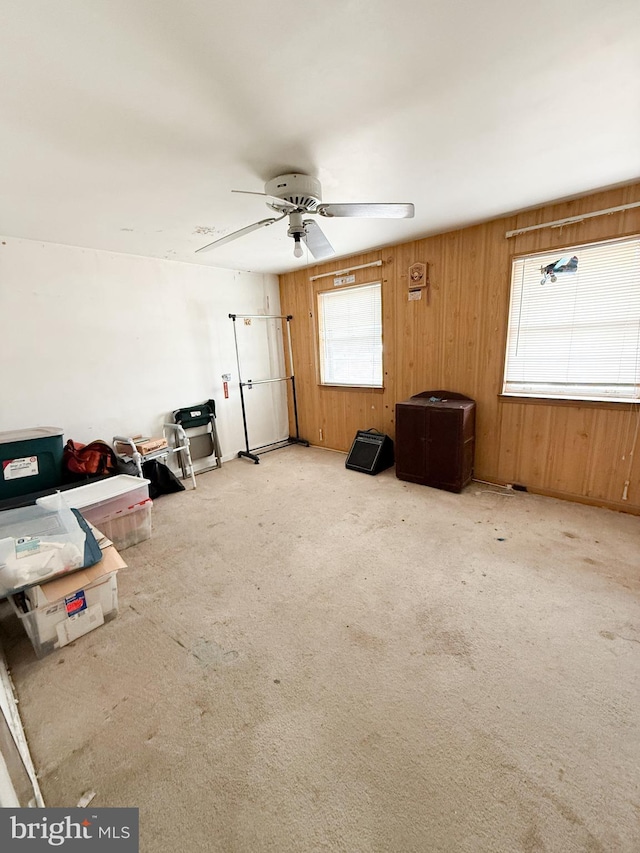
316,241
271,199
235,234
382,211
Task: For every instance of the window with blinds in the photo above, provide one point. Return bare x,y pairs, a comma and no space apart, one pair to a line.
574,323
350,336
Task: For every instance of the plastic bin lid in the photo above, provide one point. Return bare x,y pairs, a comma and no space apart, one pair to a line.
31,521
102,490
29,434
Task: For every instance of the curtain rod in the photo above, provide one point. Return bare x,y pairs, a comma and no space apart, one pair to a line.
350,269
558,223
261,316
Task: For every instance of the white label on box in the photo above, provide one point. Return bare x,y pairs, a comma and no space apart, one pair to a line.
77,626
414,295
26,546
26,466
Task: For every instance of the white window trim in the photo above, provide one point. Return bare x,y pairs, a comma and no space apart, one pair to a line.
330,380
562,360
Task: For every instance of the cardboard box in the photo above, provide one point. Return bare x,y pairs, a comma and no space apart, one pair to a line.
143,445
69,607
55,590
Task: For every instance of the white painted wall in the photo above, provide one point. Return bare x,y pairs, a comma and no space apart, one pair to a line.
101,344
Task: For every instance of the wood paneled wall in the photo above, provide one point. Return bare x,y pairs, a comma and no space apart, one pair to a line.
456,341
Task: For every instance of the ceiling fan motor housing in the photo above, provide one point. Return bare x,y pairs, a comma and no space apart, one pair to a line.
301,190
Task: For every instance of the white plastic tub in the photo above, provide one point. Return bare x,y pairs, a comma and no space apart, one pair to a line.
99,502
129,526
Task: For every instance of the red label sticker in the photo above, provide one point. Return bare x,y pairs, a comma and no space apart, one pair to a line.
76,603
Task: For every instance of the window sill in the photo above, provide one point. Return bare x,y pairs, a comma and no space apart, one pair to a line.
375,388
560,401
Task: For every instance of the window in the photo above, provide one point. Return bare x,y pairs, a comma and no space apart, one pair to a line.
350,331
574,323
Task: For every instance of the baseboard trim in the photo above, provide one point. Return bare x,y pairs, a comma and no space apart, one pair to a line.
616,506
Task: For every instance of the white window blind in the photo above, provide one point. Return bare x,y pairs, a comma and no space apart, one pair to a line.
350,329
577,337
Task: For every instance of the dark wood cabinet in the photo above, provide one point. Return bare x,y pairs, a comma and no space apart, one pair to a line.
435,438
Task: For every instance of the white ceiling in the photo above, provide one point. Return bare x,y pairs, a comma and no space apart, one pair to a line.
125,124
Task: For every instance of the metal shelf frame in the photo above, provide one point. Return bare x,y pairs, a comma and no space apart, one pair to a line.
254,453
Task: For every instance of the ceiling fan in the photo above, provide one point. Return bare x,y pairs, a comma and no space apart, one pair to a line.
297,196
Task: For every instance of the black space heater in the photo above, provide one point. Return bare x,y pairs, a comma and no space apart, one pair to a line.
371,452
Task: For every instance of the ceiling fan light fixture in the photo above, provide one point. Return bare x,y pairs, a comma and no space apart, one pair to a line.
302,190
295,195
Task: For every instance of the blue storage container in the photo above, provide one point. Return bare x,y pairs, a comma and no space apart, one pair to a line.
30,460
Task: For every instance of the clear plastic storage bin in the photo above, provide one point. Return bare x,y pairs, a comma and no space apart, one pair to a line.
129,526
87,600
38,543
103,498
119,507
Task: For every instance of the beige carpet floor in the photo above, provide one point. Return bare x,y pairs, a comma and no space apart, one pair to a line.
311,659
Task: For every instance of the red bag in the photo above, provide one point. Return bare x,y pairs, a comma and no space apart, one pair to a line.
94,458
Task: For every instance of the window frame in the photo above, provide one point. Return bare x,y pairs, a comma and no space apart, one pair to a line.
572,398
318,341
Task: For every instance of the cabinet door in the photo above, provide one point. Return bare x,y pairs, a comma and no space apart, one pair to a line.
410,446
444,446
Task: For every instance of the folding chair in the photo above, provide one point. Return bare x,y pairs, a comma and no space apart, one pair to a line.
199,425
